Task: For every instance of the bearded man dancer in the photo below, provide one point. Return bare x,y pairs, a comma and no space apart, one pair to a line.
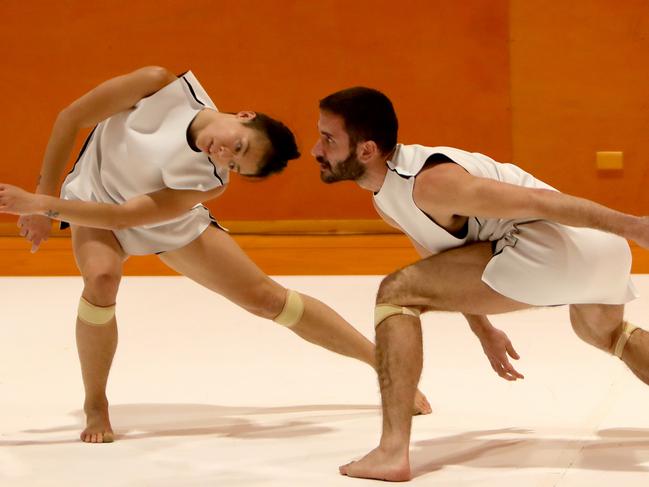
493,239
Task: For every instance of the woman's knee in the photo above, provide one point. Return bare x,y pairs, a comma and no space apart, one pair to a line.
265,299
101,284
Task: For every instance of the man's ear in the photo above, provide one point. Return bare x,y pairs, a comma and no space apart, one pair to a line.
366,150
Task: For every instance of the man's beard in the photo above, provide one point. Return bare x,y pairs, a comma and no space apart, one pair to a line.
349,169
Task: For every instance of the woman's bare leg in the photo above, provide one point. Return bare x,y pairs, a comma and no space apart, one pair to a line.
215,261
99,258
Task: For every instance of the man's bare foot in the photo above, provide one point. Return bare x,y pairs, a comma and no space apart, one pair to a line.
422,406
98,428
379,465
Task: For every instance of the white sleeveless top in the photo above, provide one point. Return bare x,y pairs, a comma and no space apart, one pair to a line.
396,201
146,149
537,262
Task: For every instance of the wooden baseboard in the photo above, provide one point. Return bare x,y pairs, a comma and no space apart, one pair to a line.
327,247
276,255
269,227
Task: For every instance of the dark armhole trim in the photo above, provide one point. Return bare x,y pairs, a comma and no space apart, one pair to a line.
216,174
191,90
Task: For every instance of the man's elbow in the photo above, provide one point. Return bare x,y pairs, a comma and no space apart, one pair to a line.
541,201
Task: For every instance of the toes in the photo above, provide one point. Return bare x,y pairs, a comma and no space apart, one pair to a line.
108,437
343,469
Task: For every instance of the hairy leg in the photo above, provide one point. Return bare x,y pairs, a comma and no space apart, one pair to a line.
215,261
601,325
99,258
450,281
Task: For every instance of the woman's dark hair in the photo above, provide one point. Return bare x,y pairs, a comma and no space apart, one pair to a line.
282,149
368,115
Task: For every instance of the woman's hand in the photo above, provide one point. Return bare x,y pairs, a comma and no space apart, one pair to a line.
35,228
17,201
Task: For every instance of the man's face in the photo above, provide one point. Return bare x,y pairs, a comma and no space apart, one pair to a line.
338,161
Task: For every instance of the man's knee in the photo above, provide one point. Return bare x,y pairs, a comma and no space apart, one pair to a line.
608,333
395,297
587,326
393,288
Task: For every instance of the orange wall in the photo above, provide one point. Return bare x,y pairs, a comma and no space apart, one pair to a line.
444,63
580,84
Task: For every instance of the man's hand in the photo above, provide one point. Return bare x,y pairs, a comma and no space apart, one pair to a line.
35,228
496,347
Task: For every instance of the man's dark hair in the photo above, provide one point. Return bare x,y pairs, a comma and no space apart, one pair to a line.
368,115
282,149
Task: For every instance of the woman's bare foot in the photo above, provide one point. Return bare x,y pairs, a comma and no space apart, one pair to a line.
98,428
422,406
380,465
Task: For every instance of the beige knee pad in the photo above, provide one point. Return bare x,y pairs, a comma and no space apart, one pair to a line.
384,311
95,315
293,309
627,331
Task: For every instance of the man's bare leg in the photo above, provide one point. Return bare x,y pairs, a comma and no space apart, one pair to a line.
450,281
601,325
215,261
400,357
99,258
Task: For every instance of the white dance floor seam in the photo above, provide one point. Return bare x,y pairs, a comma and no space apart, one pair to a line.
205,394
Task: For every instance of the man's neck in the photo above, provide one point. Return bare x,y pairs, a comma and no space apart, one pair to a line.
375,174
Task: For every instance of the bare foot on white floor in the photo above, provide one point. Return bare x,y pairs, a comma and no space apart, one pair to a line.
379,465
98,428
422,406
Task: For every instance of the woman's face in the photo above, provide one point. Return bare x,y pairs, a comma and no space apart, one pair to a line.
233,145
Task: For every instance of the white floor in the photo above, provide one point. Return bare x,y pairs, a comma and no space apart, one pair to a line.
204,394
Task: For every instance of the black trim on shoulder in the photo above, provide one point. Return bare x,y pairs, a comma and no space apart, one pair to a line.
191,90
63,225
85,146
190,143
215,173
433,158
438,157
399,174
213,221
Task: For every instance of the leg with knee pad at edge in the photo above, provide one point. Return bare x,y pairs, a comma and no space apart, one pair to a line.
384,311
95,315
627,331
292,311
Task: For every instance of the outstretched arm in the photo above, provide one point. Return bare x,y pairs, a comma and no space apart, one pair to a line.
447,188
111,97
155,207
